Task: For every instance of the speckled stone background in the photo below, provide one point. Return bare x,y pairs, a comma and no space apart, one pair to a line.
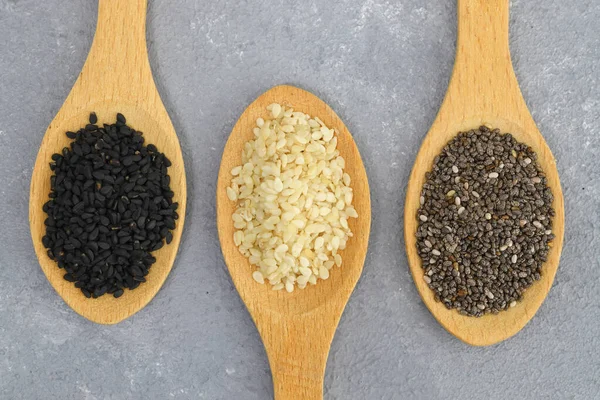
384,67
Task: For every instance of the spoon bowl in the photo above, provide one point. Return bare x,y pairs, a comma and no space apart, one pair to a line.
483,90
297,328
116,78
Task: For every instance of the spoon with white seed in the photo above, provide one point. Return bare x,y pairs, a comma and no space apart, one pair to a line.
296,328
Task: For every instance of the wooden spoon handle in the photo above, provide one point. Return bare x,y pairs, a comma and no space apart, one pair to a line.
297,349
483,32
483,69
118,59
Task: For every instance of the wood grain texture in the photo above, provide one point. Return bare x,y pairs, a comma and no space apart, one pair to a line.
483,90
115,78
296,328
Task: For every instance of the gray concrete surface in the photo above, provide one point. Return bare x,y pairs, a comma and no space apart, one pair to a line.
383,66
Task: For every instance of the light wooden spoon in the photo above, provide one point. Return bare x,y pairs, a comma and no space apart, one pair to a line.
115,78
297,328
483,90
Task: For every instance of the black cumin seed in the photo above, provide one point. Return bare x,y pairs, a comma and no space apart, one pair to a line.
110,206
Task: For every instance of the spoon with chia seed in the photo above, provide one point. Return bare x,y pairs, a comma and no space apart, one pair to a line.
116,78
483,91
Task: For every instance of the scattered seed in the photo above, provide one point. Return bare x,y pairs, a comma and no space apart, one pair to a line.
493,175
461,210
455,169
258,277
423,218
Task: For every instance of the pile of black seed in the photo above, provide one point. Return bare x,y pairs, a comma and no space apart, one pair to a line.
110,206
484,223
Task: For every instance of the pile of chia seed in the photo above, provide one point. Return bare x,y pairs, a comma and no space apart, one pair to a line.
485,222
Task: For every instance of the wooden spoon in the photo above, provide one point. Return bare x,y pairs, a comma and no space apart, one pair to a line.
297,328
483,90
115,78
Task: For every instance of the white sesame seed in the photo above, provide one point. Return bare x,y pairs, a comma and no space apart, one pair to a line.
536,179
513,303
548,232
427,279
514,259
502,248
475,194
537,224
455,169
527,161
493,175
258,277
436,252
488,216
428,243
294,200
461,210
422,200
231,194
423,218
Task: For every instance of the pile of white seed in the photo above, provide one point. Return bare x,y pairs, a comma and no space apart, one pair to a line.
293,200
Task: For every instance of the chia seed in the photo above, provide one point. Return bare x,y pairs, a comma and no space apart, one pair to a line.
490,254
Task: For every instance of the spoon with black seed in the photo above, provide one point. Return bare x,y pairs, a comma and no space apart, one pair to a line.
114,102
484,101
